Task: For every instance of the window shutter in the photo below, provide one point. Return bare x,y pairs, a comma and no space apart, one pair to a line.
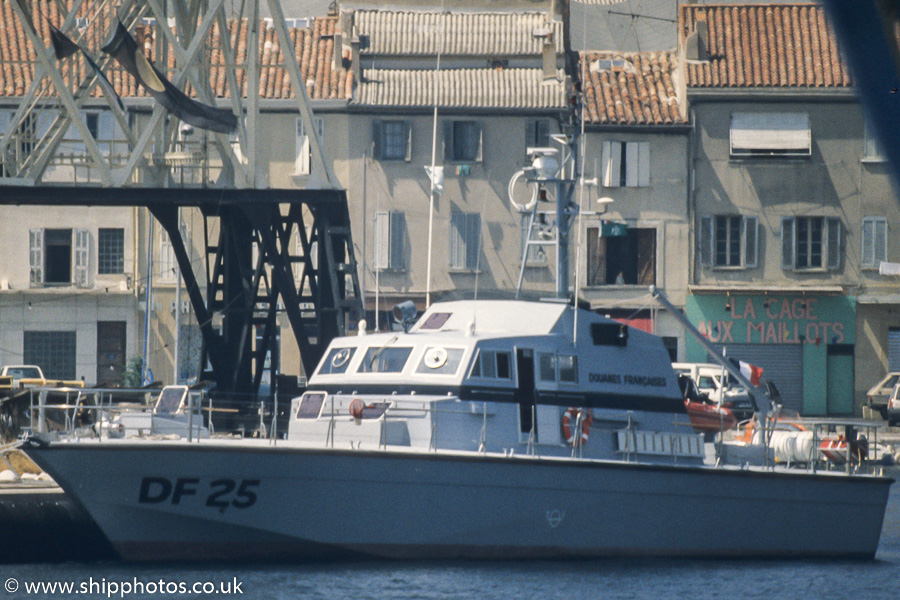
833,226
408,127
398,239
457,242
479,156
751,235
376,140
473,231
302,164
107,126
382,240
631,164
611,157
643,164
705,241
868,243
36,256
543,133
880,240
787,242
530,134
82,257
4,121
448,141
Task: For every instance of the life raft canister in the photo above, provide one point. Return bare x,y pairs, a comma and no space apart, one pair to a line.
356,408
570,415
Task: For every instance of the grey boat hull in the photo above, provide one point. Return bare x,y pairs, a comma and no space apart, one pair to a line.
207,501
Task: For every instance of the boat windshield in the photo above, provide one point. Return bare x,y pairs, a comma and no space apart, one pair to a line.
384,359
337,361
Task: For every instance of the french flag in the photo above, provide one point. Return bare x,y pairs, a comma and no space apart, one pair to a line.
751,372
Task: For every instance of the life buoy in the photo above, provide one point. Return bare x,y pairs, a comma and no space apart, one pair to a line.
356,408
570,415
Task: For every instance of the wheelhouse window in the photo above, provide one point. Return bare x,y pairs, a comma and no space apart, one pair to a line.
558,367
440,361
810,243
384,359
491,364
310,406
337,361
729,241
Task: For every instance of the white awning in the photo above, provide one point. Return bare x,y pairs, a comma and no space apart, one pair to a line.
761,133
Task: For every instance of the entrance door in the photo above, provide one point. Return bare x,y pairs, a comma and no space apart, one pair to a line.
110,352
525,371
839,393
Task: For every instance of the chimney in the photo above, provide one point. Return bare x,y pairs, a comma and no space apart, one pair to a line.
696,44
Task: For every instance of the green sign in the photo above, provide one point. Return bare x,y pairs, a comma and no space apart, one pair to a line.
611,229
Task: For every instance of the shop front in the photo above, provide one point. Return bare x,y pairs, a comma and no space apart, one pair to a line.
803,340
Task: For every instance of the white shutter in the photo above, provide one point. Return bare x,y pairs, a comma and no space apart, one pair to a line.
611,158
382,239
751,235
82,257
302,162
787,242
643,164
36,256
868,242
631,164
880,240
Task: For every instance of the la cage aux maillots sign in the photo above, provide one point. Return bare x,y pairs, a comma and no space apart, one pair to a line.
729,319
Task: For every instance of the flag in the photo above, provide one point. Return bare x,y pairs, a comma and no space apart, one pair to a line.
63,47
125,50
751,372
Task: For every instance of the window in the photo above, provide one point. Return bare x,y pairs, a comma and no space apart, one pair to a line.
632,255
310,406
53,351
872,151
625,164
465,239
52,258
393,140
110,251
384,359
810,243
770,135
546,366
337,361
168,268
462,141
440,361
390,240
729,241
537,134
874,241
303,163
491,364
568,368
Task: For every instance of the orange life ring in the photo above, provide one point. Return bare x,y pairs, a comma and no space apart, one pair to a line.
356,408
572,414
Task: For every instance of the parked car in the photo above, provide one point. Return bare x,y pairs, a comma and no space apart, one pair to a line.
878,394
708,379
893,407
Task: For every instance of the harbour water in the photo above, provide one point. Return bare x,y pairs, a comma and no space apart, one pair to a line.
378,580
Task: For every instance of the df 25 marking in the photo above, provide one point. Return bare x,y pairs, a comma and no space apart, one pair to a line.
219,493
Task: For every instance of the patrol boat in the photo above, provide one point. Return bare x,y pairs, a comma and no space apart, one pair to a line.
484,429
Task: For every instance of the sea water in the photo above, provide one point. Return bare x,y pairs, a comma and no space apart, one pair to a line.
462,580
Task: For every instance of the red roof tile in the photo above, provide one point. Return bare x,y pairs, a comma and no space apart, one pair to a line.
765,45
313,48
630,88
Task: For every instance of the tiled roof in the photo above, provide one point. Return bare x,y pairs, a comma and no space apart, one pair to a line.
765,45
631,88
453,34
313,48
481,88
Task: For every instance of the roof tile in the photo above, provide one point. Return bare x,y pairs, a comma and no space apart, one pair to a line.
630,88
765,45
313,47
